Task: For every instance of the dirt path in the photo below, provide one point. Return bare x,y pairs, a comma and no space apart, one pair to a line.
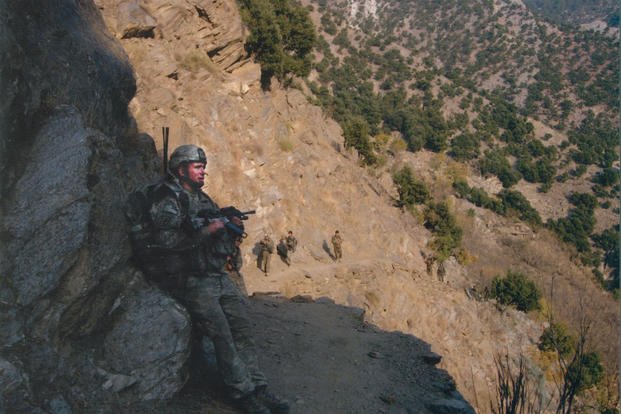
323,358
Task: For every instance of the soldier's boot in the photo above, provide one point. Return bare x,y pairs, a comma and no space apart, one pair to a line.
250,404
276,404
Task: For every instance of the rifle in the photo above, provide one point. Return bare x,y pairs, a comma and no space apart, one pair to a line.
224,215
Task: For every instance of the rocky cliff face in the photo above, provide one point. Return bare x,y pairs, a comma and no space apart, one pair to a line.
69,301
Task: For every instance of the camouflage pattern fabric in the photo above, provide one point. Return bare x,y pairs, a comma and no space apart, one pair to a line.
283,251
265,254
215,304
336,244
291,243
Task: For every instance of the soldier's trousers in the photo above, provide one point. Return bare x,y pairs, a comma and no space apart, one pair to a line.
219,311
264,261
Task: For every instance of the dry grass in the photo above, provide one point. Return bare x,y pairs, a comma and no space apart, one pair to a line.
285,144
398,145
570,292
195,61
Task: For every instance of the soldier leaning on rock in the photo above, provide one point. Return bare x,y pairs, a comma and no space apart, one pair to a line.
195,255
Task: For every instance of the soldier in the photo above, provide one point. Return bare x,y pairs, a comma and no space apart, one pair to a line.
195,254
266,248
291,242
336,244
234,264
283,251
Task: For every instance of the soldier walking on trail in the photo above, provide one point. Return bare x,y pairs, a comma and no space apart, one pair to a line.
190,254
283,251
291,242
266,248
336,244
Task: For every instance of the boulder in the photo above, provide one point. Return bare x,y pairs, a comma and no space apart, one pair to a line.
134,21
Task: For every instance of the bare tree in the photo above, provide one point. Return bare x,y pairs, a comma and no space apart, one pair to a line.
516,392
578,368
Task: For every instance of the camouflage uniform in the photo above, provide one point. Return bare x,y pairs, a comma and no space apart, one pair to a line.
197,265
283,251
291,243
265,254
336,243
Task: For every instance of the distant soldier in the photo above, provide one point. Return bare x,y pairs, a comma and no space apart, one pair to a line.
283,251
336,244
266,247
234,264
430,262
291,242
441,272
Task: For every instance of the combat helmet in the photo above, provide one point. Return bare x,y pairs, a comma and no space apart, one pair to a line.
186,153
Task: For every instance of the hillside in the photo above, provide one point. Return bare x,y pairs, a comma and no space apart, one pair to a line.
507,94
288,160
81,321
577,12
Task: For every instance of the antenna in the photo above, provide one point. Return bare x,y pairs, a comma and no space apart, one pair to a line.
165,131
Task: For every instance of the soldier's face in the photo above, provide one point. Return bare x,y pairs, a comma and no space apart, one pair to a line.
195,173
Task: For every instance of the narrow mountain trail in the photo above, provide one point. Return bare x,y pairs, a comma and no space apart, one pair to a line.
323,358
465,332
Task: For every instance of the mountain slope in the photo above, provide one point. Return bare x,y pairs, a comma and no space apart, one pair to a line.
575,12
274,152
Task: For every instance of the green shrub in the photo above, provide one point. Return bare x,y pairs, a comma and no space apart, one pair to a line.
597,139
465,147
356,134
607,177
282,37
494,162
515,201
411,191
585,371
557,338
517,290
608,241
479,197
447,234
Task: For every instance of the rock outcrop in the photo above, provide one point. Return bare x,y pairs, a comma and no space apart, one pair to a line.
75,316
212,30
